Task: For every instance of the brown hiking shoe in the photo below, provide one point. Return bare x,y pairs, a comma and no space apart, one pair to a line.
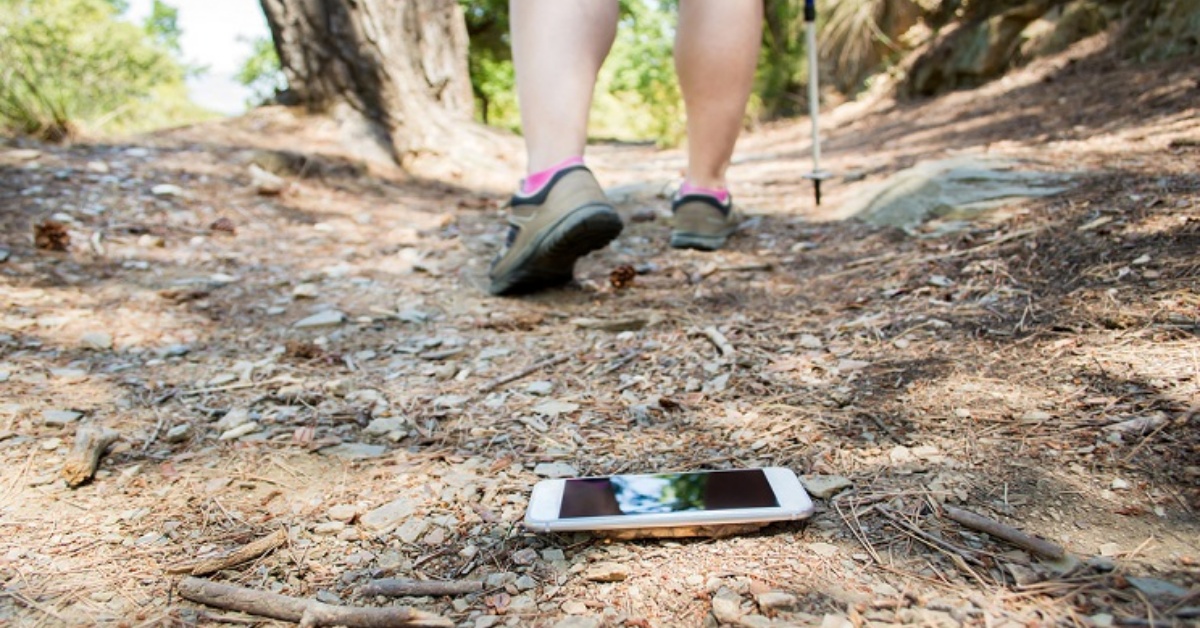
702,222
550,230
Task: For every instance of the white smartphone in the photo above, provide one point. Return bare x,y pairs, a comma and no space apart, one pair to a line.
667,500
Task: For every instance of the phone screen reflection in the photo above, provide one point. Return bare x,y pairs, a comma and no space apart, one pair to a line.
665,493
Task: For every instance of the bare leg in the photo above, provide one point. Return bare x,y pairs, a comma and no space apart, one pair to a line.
716,53
558,47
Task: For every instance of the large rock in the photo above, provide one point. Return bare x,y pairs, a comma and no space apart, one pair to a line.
959,188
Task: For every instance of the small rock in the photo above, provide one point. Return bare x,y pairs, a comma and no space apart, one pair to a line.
354,451
1139,425
901,454
1022,575
555,470
266,183
824,550
385,517
97,341
1120,485
447,402
521,604
342,512
1159,589
835,621
306,291
411,530
539,388
233,418
240,431
578,621
97,167
1036,416
962,413
60,418
329,527
486,621
574,607
1110,549
50,444
553,555
179,433
606,572
555,407
174,351
497,580
755,621
436,537
775,601
328,597
727,606
525,583
525,556
1103,620
824,486
328,318
385,426
810,342
4,376
21,154
167,189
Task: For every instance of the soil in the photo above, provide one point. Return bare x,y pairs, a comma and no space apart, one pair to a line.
994,366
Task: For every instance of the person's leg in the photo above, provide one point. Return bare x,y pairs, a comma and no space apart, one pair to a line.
716,53
558,47
561,213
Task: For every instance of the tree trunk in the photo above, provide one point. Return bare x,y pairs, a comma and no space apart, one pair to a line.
392,72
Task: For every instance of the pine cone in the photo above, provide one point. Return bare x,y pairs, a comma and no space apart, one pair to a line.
622,277
50,235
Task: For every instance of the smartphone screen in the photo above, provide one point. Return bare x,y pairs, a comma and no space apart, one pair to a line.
665,493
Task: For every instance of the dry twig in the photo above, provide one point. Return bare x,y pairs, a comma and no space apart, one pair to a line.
395,587
529,370
90,443
306,612
1003,532
719,340
237,557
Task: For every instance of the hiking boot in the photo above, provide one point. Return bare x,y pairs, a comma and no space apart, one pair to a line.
569,218
702,222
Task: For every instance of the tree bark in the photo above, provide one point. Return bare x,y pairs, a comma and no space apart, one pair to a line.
392,72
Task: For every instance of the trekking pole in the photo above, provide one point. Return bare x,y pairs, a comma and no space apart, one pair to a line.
814,97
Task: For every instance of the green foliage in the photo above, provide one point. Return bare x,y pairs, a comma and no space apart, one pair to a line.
782,68
163,26
262,72
637,97
67,64
492,77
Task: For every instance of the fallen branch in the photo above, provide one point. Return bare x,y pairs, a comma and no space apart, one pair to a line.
306,612
237,557
90,443
533,368
1012,535
719,341
395,587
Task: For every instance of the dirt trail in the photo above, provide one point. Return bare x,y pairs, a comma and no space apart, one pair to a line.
1039,368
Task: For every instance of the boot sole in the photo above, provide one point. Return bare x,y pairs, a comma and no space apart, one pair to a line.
699,242
550,261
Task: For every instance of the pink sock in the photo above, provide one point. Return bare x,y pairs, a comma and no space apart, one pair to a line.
538,180
721,194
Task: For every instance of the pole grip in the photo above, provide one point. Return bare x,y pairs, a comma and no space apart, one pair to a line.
810,10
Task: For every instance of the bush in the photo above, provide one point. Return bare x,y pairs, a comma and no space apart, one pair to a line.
71,63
